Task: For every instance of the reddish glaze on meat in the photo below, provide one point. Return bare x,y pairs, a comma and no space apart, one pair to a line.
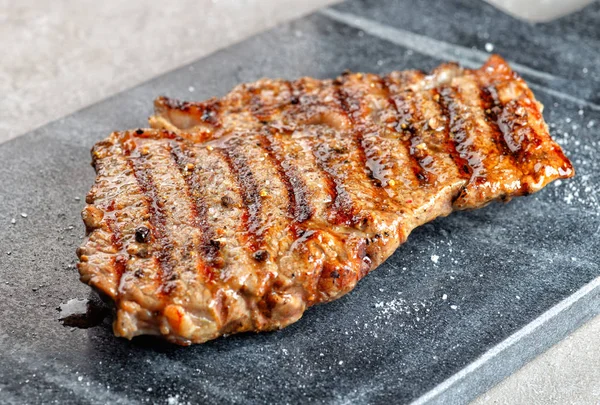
237,214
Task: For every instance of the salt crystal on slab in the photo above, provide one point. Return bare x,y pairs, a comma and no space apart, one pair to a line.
569,198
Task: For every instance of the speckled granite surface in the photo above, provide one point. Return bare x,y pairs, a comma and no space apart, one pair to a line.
391,340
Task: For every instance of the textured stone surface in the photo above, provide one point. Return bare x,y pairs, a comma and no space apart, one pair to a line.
566,50
392,339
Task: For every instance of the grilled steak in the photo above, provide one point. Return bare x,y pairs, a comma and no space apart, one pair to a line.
237,214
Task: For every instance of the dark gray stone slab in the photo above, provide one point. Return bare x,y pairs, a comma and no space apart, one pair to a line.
391,340
568,49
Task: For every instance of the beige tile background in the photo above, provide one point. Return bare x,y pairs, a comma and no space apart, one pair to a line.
59,56
568,373
539,10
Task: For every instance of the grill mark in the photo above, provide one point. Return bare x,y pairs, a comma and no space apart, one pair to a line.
249,193
490,103
378,167
212,258
507,126
426,159
365,152
342,208
455,134
157,220
405,126
299,206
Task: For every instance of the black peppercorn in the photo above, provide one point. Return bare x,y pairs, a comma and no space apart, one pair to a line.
141,234
261,255
206,115
227,201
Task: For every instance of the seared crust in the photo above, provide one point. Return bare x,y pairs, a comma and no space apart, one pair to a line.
236,214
